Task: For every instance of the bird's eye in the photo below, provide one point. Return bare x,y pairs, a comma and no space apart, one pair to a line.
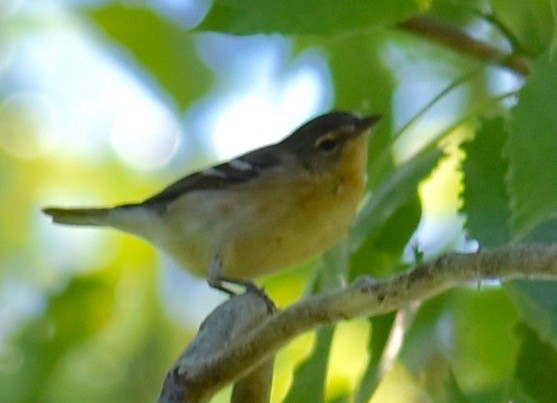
327,144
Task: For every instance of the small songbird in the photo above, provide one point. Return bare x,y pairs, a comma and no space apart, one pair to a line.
260,212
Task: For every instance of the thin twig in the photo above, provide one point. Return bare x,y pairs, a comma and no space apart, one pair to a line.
458,40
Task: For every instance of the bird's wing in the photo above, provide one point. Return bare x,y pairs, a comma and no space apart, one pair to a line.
239,170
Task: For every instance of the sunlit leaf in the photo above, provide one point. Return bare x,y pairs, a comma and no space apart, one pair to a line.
532,145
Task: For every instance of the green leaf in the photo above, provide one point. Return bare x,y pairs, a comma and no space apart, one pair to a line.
303,17
546,232
553,48
456,12
532,146
440,382
166,51
381,254
453,391
530,22
81,309
309,377
398,190
537,304
483,345
485,196
454,349
381,327
422,338
343,397
536,366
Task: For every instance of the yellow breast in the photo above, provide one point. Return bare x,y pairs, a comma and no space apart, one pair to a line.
296,221
264,226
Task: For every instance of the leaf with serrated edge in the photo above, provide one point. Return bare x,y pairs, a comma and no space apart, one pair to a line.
485,197
532,150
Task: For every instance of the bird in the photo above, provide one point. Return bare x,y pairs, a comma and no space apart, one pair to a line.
263,211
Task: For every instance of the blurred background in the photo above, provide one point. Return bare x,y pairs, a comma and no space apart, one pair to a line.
105,102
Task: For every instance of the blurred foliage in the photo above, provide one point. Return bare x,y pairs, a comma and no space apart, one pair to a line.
536,366
102,333
160,47
530,24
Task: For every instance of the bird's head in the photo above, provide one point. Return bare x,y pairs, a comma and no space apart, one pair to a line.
327,140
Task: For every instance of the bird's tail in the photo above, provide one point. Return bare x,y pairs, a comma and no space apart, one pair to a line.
79,216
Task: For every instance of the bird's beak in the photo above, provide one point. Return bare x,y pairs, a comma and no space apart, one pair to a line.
362,125
367,122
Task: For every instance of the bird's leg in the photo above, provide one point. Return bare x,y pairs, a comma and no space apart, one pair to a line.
216,280
215,277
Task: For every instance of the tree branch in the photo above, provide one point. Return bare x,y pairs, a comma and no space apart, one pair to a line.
223,327
368,297
458,40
